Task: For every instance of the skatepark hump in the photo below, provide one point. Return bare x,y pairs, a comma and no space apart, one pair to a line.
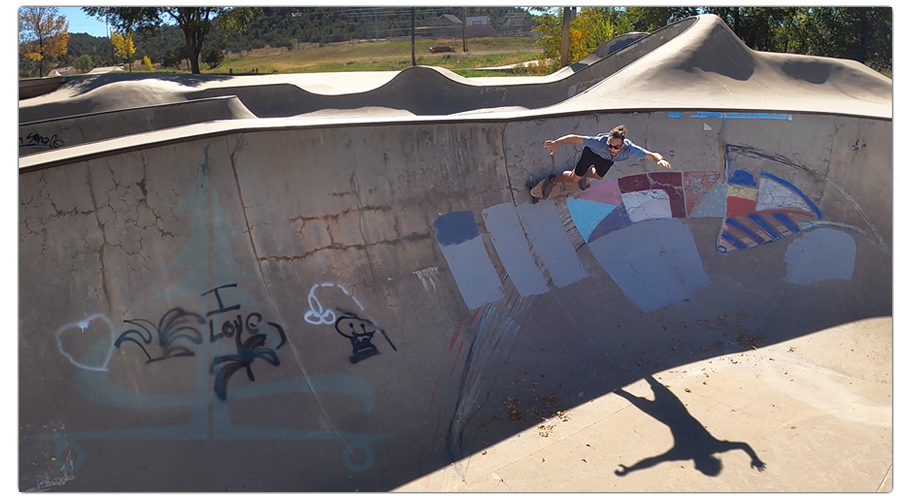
340,282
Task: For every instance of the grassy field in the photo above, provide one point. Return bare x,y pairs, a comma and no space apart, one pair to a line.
391,55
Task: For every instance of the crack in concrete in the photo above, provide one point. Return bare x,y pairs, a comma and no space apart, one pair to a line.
339,248
102,251
296,354
362,226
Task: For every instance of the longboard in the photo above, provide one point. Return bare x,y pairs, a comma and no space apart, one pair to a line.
559,189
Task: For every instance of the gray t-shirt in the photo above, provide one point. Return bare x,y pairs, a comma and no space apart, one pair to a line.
629,151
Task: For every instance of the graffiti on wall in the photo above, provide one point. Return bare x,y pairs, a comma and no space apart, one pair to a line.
227,332
37,142
64,331
358,330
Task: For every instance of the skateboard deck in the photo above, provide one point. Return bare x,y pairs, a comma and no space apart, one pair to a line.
559,190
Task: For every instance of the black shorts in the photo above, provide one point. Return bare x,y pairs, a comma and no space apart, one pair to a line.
590,158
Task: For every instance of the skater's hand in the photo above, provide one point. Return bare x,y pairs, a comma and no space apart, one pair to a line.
663,163
623,471
551,145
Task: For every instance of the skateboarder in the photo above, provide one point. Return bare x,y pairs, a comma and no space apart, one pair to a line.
599,154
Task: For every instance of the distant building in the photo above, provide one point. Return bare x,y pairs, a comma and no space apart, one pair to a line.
450,26
514,23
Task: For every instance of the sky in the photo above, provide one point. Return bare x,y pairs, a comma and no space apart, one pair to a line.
79,22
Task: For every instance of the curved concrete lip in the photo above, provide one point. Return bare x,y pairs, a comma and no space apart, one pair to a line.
421,90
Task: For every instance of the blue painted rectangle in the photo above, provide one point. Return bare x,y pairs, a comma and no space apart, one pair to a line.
506,231
469,263
551,242
655,263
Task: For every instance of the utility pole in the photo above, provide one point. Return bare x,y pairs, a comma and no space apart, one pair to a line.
413,36
465,40
564,52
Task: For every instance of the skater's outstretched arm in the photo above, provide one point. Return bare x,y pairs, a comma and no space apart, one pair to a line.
755,462
566,139
647,463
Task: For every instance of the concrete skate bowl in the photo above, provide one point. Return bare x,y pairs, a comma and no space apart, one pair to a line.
418,90
290,306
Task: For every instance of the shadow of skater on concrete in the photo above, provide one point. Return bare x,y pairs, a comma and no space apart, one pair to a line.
692,440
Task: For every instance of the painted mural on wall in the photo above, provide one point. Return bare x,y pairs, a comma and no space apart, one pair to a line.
764,210
228,333
662,265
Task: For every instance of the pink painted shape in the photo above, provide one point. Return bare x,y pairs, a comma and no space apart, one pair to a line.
603,192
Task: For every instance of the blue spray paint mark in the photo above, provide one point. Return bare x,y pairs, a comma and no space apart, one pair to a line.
761,222
456,228
742,177
788,223
752,116
744,229
731,239
796,190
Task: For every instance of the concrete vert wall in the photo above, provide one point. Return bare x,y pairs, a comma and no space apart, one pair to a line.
351,307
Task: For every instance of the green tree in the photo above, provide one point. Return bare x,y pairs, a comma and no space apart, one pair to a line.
213,57
863,34
649,19
172,58
591,28
194,22
83,63
43,33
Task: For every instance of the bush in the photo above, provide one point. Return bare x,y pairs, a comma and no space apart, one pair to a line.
213,57
83,63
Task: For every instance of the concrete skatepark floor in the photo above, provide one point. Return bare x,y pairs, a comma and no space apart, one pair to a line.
831,390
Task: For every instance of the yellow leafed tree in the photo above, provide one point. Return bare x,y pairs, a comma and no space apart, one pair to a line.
591,28
43,33
123,46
